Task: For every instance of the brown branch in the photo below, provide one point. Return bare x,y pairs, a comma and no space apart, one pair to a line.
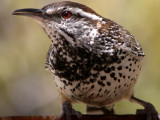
84,117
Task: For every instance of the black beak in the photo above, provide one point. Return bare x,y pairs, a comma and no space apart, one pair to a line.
30,12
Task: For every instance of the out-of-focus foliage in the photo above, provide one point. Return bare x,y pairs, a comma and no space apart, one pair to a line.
26,88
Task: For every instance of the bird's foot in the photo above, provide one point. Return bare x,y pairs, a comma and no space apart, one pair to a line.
149,111
68,111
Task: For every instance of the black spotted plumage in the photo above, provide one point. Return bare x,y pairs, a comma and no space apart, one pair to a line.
85,62
93,59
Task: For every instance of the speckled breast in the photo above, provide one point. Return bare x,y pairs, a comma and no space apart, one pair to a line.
94,80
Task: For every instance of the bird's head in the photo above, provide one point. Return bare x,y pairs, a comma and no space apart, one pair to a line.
74,21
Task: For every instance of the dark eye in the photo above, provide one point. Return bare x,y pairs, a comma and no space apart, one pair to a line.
66,14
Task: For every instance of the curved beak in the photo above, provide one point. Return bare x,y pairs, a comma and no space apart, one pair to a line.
30,12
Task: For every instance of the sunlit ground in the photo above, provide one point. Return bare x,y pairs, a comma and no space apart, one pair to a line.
26,88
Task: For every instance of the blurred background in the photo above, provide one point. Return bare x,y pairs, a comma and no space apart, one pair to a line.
26,88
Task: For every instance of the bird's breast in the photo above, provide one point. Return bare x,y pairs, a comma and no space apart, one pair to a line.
84,77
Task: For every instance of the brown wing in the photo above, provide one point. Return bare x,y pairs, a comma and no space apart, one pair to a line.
118,38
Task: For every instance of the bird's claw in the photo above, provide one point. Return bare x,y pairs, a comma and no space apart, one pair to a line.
149,111
68,111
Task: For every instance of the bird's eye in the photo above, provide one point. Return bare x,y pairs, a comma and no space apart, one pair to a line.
66,14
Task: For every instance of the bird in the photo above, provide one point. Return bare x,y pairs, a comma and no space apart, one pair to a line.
94,60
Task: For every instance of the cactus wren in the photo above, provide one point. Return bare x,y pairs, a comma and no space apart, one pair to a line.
94,60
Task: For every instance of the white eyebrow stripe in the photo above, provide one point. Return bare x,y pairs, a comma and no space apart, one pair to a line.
52,10
79,11
83,13
49,11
